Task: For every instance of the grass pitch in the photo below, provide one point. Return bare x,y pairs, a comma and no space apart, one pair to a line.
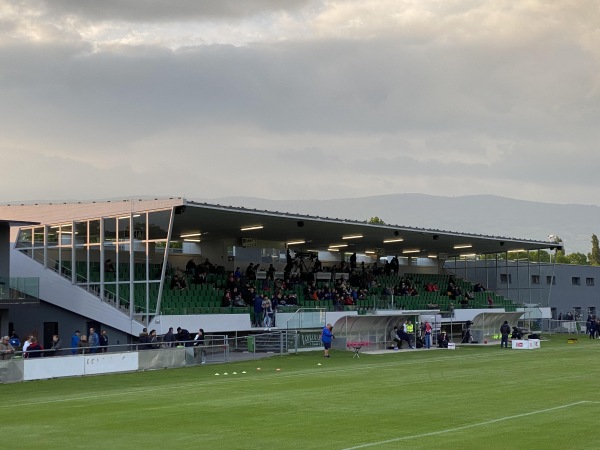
478,397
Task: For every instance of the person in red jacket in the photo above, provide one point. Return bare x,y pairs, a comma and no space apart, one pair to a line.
35,349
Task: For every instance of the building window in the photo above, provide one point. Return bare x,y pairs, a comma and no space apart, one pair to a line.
589,282
535,279
575,281
550,279
505,278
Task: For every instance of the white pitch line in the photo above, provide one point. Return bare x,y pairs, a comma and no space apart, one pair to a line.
466,427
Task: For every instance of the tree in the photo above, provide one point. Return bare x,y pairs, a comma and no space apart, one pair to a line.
376,221
594,257
577,258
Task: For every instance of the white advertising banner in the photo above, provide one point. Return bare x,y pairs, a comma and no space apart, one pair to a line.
110,363
53,367
525,344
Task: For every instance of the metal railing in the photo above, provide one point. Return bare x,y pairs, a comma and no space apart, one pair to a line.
307,318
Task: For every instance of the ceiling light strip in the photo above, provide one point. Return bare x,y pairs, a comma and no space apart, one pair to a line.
253,227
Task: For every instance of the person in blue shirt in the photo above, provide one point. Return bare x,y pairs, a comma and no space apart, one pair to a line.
75,342
93,340
326,337
258,310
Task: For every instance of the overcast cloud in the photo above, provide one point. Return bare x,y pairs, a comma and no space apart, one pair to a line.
299,99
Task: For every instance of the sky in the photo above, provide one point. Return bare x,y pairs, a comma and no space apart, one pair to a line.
299,99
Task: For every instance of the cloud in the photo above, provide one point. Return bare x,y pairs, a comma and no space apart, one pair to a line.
161,11
322,99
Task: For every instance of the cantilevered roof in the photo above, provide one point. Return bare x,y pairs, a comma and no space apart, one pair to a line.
17,223
217,222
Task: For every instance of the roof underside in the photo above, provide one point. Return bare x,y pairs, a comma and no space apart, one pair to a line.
217,223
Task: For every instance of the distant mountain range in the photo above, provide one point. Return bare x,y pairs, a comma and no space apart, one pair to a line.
479,214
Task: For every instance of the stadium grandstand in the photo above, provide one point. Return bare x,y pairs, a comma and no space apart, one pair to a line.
160,263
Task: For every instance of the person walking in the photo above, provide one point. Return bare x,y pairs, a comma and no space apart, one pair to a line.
505,332
200,341
326,337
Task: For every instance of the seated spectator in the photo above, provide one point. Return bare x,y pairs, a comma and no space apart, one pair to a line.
200,277
238,273
178,282
395,338
404,336
443,340
490,301
464,303
226,301
516,333
292,299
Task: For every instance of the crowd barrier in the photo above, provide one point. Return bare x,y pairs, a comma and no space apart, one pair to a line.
27,369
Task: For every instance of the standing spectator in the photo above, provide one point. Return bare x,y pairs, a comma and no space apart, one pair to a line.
199,341
267,307
395,338
326,337
251,272
505,332
35,349
353,261
109,266
169,338
56,349
26,345
6,350
271,273
183,337
427,330
190,267
93,340
14,339
83,346
74,342
258,310
103,342
143,339
153,340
